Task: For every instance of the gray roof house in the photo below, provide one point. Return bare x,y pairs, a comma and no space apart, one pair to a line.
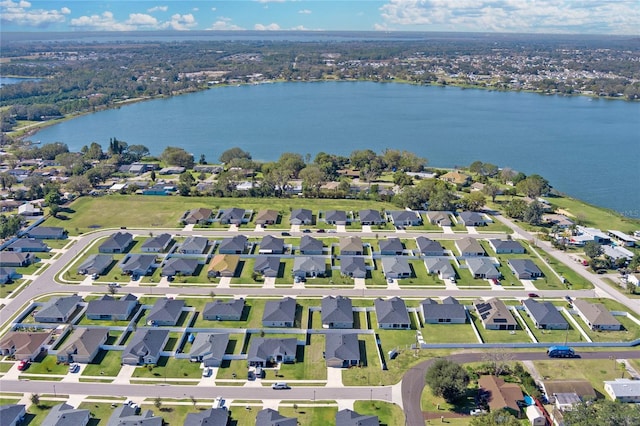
179,266
157,244
482,267
271,245
309,266
396,267
506,246
353,266
429,247
47,233
58,309
28,245
263,351
391,246
351,246
125,415
301,217
495,315
267,266
341,350
404,217
224,310
440,266
232,216
440,218
596,315
116,243
65,415
469,247
311,246
623,390
210,417
270,417
524,268
450,311
12,414
95,264
138,264
193,245
145,346
197,216
109,308
279,313
7,274
471,219
392,313
209,348
337,312
335,217
545,315
348,417
370,217
83,345
165,312
234,245
267,217
12,258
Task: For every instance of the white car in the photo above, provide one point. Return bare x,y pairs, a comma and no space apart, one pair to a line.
73,368
206,372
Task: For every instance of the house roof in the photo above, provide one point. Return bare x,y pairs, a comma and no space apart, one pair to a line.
137,262
146,342
210,417
583,388
335,216
351,244
501,394
403,215
308,243
624,387
10,413
266,263
224,307
108,305
455,176
482,266
596,313
426,245
84,341
235,244
440,217
181,265
348,417
494,311
303,215
395,264
391,311
509,245
471,217
158,242
270,417
119,240
271,243
369,215
264,216
443,265
524,266
309,264
194,244
451,310
343,346
125,415
391,245
469,245
231,214
337,309
96,263
198,214
46,231
65,415
25,343
224,262
28,244
14,257
166,310
209,345
544,312
350,265
58,307
280,310
263,348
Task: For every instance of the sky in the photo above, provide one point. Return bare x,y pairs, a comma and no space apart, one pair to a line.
511,16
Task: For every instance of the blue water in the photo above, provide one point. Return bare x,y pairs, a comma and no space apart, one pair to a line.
14,80
587,148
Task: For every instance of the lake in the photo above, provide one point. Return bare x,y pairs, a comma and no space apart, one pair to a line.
15,80
587,148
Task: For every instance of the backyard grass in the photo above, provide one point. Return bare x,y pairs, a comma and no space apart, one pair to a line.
388,414
552,336
310,415
171,414
107,362
595,371
500,336
448,333
169,367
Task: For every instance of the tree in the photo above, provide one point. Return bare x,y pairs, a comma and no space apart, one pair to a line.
35,399
402,179
177,157
498,361
112,290
7,180
202,160
152,176
447,379
312,178
360,158
592,249
533,186
291,161
533,213
491,190
495,418
78,184
515,208
603,412
473,201
157,402
93,152
232,154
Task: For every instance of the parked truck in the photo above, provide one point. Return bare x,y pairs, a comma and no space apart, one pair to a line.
561,352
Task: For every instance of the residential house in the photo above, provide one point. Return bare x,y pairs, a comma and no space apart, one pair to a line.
583,388
506,246
12,414
279,313
160,188
210,417
138,265
370,217
309,266
559,220
450,311
545,315
351,246
270,417
335,217
440,266
586,234
47,233
440,218
31,245
348,417
269,351
524,269
193,245
396,267
352,266
234,245
392,313
95,264
428,247
58,309
145,346
404,218
391,247
500,395
116,243
223,265
24,345
469,247
7,274
232,216
566,401
310,246
28,209
267,217
482,267
301,217
171,170
341,350
17,259
179,266
623,390
209,348
471,219
165,312
337,312
596,316
197,216
224,310
621,238
83,345
271,245
207,168
64,414
456,177
109,308
267,266
157,244
495,315
127,415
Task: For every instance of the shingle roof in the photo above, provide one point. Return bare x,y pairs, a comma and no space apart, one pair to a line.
58,307
494,311
343,346
335,216
272,244
193,244
137,262
157,242
453,311
391,311
395,265
180,265
351,244
269,417
210,417
263,348
348,417
280,310
146,342
108,305
352,265
310,244
209,345
96,263
234,244
337,309
84,341
224,308
65,415
166,310
544,312
310,264
391,245
119,240
426,245
469,245
596,313
508,245
368,215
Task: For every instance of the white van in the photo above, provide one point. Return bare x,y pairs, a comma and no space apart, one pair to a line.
280,385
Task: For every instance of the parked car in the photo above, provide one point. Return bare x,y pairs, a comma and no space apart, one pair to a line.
320,231
568,299
251,375
74,367
23,364
306,231
206,372
285,234
280,385
115,285
495,281
533,295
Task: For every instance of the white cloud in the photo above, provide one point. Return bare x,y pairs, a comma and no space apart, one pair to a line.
195,9
213,9
300,28
136,21
103,22
158,9
270,27
142,20
305,12
181,22
20,13
224,24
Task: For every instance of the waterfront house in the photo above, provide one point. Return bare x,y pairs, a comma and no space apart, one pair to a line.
456,177
337,312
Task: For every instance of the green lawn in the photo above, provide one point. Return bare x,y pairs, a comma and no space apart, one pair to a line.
310,415
448,333
552,336
595,371
500,336
107,362
388,414
170,367
47,365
